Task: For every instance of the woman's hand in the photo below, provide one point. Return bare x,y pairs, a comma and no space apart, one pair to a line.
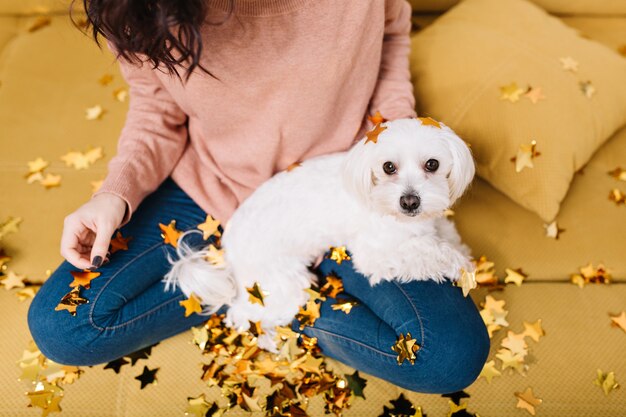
87,231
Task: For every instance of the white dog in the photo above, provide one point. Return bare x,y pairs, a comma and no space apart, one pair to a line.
384,199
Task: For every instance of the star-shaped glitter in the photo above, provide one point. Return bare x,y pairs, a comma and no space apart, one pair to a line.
405,347
344,305
197,406
534,94
534,330
338,254
293,166
467,281
606,381
587,88
516,276
105,80
209,227
83,278
116,364
71,301
489,371
170,234
515,343
51,181
372,135
308,314
147,377
119,242
120,94
569,64
525,156
553,230
377,118
94,113
619,320
617,196
618,173
37,165
192,305
215,256
511,92
256,295
333,284
429,121
511,360
527,401
13,280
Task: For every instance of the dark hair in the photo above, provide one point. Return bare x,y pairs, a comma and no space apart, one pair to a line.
145,27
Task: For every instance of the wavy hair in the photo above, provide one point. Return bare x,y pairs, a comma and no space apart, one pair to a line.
167,32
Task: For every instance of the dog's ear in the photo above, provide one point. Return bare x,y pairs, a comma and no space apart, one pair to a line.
462,172
357,172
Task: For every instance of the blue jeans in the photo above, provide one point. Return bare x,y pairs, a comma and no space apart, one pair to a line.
128,310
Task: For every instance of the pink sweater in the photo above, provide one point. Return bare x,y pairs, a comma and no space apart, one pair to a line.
298,78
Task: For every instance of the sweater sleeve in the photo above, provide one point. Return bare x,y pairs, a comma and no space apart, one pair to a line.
152,140
393,95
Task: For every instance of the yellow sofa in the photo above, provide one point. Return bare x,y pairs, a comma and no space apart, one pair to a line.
49,76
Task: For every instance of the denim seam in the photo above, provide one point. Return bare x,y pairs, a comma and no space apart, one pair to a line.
419,317
380,352
93,306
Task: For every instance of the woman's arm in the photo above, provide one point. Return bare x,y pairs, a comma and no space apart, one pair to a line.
393,95
152,139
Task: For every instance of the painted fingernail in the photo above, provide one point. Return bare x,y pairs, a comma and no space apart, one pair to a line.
96,262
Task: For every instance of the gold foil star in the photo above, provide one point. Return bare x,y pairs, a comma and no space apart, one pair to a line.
209,227
617,196
534,330
11,225
170,234
94,113
618,173
493,304
511,92
215,256
51,181
83,278
527,401
308,314
511,360
590,275
553,230
37,165
119,242
333,285
372,135
120,94
606,381
515,343
515,276
428,121
197,406
489,371
456,408
192,305
338,254
293,166
467,281
619,320
405,347
256,295
82,160
105,80
200,336
587,88
13,280
377,118
344,305
71,300
525,156
569,64
534,94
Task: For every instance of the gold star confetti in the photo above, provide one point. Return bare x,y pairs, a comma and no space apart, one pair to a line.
192,305
51,181
215,256
95,185
37,165
332,286
147,377
338,254
13,280
515,276
256,294
553,230
489,371
200,336
590,275
82,160
293,166
209,227
344,305
71,301
377,118
534,94
527,401
618,173
587,88
428,121
105,80
569,64
170,234
405,347
515,343
534,330
511,360
456,408
308,314
39,23
372,135
606,381
120,94
26,293
511,92
619,320
119,242
197,406
94,113
83,278
467,281
617,196
525,156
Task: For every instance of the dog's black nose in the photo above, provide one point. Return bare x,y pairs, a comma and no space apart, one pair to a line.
409,202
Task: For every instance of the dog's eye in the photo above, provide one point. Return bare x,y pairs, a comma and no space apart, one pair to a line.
389,168
431,165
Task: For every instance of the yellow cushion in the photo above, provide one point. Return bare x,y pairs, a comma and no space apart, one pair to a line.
460,62
591,7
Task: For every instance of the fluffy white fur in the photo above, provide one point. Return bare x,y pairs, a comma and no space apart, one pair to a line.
332,200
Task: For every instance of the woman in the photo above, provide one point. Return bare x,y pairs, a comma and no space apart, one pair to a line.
223,95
